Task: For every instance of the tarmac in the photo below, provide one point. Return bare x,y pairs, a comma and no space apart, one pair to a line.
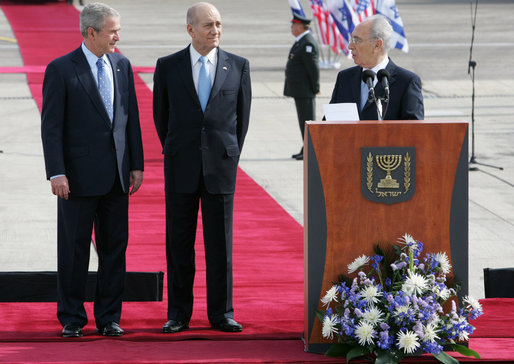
439,34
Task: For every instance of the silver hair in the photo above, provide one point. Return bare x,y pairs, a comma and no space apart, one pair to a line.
191,12
93,15
381,29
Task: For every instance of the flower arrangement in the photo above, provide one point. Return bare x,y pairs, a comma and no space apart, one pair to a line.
396,309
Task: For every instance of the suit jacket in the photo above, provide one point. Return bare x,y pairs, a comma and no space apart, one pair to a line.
405,100
302,68
79,140
202,142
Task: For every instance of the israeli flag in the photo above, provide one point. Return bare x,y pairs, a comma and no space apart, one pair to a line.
388,9
345,19
296,7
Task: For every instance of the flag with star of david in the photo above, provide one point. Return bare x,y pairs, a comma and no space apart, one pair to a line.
388,9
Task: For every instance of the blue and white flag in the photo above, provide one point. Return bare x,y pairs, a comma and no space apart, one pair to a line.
296,7
345,19
388,9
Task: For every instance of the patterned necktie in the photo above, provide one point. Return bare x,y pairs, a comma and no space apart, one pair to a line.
105,87
204,83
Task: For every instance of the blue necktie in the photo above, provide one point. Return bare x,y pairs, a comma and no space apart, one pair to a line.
105,87
364,95
204,83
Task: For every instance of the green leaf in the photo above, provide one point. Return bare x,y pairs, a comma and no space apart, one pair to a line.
320,314
337,350
465,350
356,352
389,357
445,358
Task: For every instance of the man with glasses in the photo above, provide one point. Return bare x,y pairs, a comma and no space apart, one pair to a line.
370,45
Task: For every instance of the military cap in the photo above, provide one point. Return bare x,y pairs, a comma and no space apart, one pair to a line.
300,19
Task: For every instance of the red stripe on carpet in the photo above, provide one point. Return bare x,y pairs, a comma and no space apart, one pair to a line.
268,243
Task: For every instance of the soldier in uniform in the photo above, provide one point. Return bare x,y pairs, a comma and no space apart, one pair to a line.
302,73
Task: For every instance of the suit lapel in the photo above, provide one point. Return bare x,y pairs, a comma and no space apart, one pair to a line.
186,73
222,70
85,77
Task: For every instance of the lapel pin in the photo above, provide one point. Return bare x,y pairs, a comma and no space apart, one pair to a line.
225,68
117,69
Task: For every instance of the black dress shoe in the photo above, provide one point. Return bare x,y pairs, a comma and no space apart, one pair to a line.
297,155
72,330
228,325
111,329
173,326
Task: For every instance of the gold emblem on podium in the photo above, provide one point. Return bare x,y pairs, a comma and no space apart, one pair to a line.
388,173
388,163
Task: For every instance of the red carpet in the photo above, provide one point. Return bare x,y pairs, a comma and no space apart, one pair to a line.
268,259
268,243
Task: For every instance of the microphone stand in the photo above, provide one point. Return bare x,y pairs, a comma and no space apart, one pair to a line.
471,71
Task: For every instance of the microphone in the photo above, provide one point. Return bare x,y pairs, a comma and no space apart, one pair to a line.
368,76
383,77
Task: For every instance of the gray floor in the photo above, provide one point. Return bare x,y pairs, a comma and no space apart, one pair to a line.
439,34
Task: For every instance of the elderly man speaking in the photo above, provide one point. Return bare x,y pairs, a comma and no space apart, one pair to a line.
370,44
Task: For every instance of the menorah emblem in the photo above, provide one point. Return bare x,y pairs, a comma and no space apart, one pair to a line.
388,163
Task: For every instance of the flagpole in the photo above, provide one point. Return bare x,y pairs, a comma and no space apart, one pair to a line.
319,42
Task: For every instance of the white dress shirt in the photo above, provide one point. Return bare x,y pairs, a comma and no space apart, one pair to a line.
196,64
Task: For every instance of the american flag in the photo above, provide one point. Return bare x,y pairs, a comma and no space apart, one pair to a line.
296,7
318,11
327,27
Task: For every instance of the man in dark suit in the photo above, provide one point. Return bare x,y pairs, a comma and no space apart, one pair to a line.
94,156
302,73
370,45
202,98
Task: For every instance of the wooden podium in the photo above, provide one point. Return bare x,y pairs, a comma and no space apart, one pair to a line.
370,182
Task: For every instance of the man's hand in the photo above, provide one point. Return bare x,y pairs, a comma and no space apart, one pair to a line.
60,187
136,179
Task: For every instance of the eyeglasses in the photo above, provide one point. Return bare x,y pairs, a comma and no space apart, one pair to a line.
357,40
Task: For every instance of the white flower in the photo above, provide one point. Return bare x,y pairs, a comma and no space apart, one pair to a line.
408,239
443,261
329,328
401,309
408,341
370,294
470,301
365,333
443,294
430,332
463,335
414,284
357,263
330,296
373,315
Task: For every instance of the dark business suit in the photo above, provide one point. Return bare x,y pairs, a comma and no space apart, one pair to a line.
201,153
405,101
96,156
302,78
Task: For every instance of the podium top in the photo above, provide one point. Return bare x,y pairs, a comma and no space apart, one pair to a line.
366,122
